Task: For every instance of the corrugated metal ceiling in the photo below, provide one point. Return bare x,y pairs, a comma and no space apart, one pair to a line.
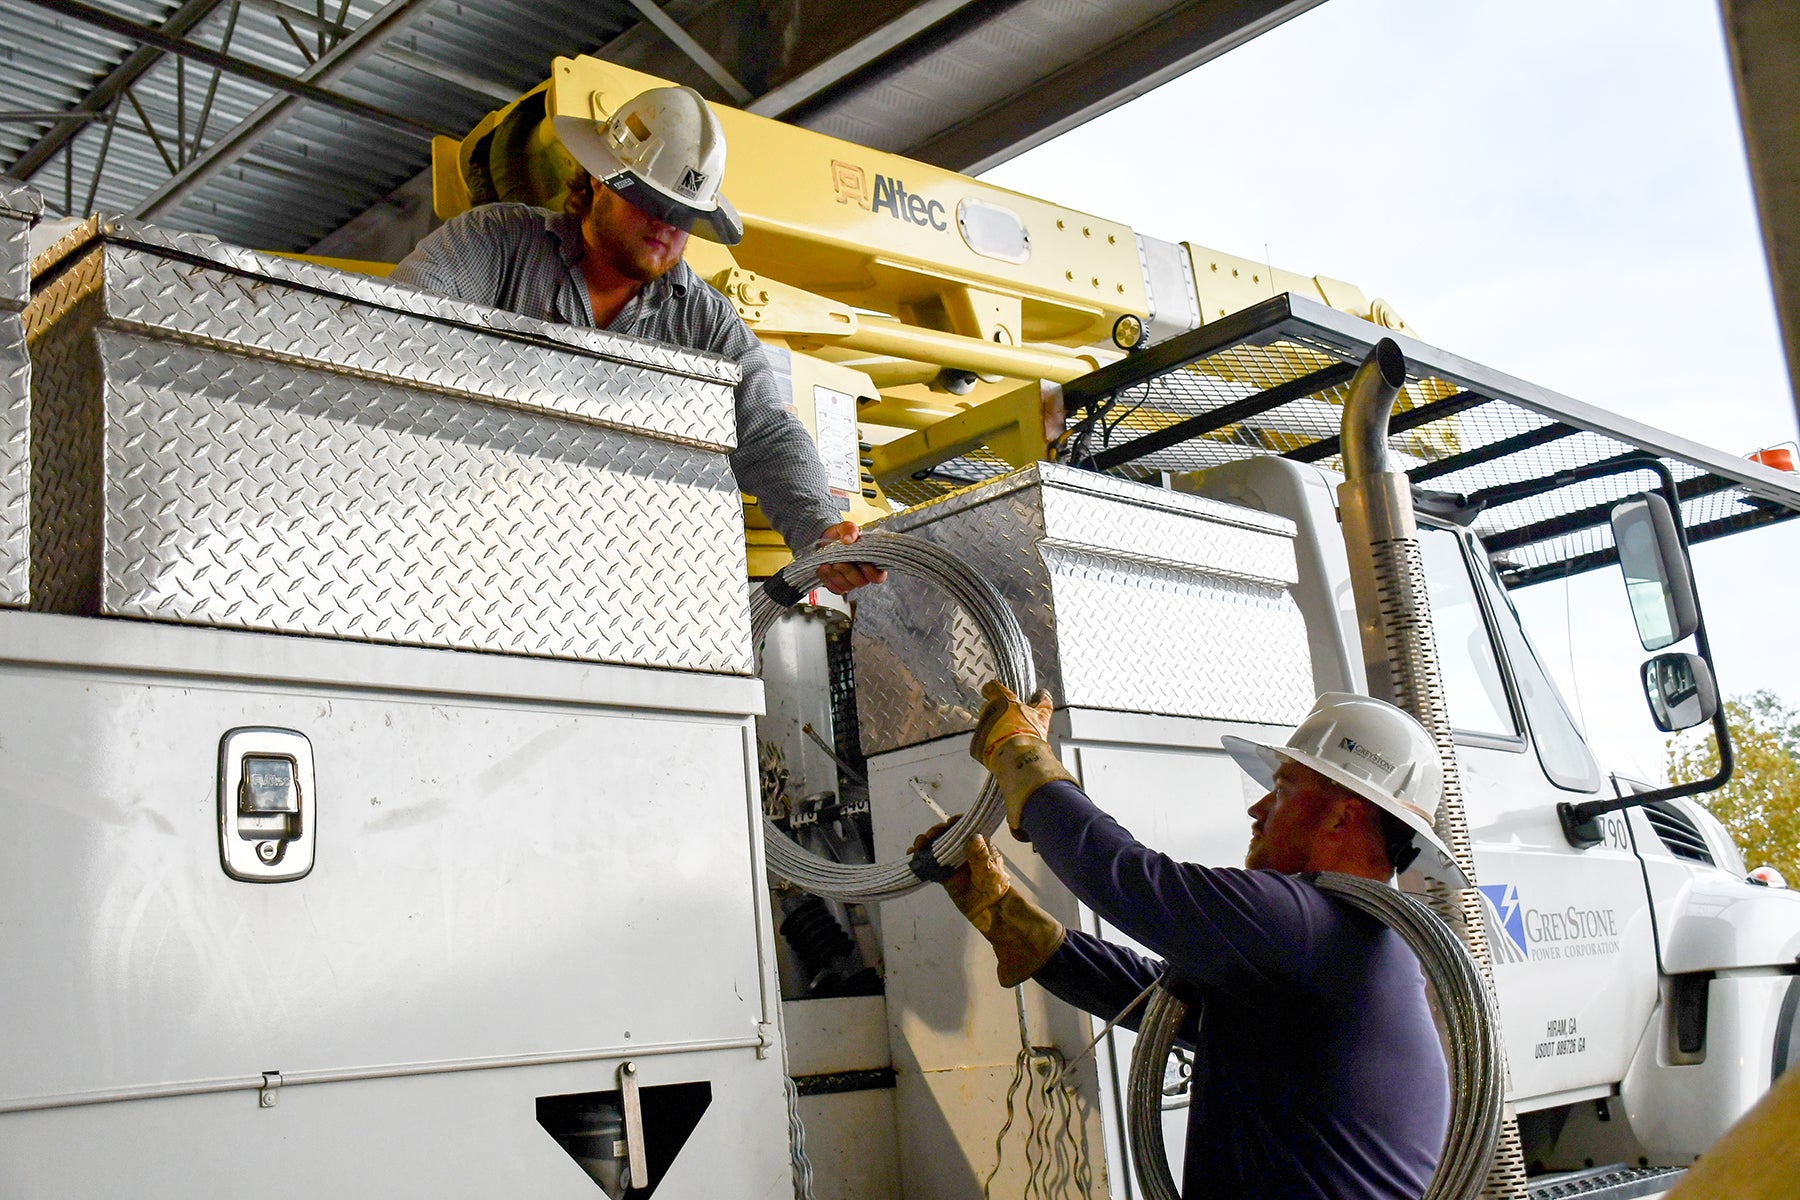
961,82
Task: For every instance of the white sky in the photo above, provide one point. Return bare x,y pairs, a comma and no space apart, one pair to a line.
1555,189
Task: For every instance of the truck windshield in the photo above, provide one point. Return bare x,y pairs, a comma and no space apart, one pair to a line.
1561,749
1473,686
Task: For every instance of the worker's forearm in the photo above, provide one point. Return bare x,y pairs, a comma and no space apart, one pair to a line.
784,475
1096,976
1248,932
1129,886
776,460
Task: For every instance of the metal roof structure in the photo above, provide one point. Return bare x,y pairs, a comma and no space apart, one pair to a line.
1763,39
273,123
270,123
1533,472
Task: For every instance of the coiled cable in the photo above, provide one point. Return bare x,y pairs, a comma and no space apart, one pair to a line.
999,628
1477,1068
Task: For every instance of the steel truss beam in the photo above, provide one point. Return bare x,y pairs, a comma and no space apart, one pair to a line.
255,73
873,46
364,39
106,93
684,42
1174,43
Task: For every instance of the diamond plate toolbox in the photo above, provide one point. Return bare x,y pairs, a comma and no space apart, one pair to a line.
1134,598
19,211
226,438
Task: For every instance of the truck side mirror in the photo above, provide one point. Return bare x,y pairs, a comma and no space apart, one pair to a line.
1680,690
1680,687
1657,580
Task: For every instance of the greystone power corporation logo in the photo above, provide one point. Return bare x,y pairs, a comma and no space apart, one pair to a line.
691,182
1502,903
1519,933
1364,752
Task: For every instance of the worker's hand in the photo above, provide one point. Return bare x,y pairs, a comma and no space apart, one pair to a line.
1023,935
843,578
1006,716
977,885
1011,741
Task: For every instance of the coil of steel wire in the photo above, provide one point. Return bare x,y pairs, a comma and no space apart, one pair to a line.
1477,1068
901,554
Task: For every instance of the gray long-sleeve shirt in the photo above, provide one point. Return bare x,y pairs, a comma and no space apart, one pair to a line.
528,261
1318,1074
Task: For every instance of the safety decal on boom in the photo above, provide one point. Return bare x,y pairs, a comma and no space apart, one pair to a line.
1506,922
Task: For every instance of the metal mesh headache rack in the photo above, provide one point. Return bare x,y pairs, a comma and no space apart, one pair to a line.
1271,380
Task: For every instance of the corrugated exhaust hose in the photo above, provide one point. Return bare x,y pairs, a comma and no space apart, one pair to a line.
1393,613
1477,1072
999,627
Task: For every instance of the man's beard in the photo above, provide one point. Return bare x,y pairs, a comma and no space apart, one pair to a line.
635,262
632,267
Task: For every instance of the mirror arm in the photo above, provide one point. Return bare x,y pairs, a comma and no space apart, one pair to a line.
1581,822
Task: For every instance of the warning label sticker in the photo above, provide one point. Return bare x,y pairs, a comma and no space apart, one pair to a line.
834,422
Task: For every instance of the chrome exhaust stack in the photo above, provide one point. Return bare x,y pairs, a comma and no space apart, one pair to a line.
1393,610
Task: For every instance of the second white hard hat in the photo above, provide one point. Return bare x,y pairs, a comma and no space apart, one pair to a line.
664,151
1377,751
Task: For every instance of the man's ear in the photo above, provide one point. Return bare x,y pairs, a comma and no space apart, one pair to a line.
1352,814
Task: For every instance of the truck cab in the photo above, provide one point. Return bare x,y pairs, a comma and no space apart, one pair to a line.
1225,599
1612,1012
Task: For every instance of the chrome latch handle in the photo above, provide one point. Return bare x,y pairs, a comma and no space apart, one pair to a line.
266,804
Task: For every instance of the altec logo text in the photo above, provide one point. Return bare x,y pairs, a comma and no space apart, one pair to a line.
888,196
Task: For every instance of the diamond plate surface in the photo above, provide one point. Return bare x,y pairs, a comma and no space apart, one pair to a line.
20,198
1176,537
375,293
178,481
67,389
15,472
15,262
244,313
1194,644
19,209
1134,598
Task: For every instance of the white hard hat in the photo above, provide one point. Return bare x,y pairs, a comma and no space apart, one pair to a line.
1375,750
664,151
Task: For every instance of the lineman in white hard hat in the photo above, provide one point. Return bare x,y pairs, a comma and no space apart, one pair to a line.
650,175
665,153
1318,1071
1375,751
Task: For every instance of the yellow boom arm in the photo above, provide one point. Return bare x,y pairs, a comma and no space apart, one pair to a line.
946,308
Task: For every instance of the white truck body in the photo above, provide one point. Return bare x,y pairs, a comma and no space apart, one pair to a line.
1590,946
534,867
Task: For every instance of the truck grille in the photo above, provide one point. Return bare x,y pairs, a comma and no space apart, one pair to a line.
1678,832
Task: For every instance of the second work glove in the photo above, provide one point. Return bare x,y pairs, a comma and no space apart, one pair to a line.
1023,935
1010,741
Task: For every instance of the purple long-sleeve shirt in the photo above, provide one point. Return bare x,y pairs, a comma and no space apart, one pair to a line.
1318,1071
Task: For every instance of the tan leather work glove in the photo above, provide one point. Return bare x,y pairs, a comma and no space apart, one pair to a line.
1010,742
1023,935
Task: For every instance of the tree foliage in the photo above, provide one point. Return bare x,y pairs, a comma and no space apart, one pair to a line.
1760,807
